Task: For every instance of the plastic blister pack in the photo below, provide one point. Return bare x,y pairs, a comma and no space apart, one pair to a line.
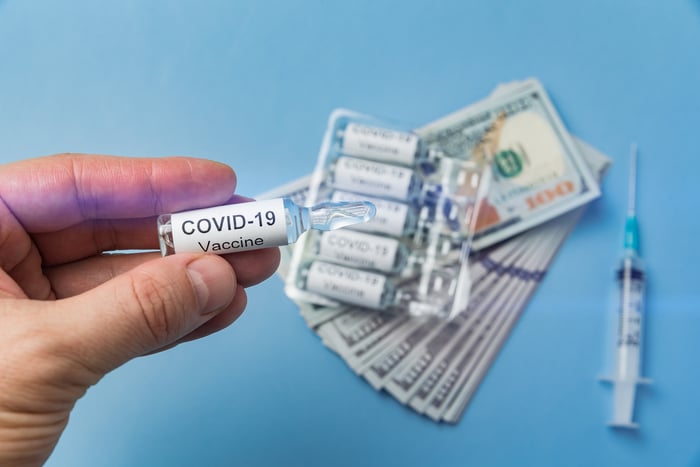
413,256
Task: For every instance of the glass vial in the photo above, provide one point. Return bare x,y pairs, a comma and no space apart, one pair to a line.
392,218
375,179
355,286
362,250
253,225
380,144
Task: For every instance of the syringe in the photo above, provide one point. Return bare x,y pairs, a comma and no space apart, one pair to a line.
631,281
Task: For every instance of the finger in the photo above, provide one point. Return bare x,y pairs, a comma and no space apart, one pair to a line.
94,236
77,277
9,288
149,308
253,267
55,192
28,276
19,260
219,322
222,320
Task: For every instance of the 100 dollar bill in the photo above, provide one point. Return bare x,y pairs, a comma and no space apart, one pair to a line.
537,173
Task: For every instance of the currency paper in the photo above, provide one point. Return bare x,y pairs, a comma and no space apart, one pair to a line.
537,171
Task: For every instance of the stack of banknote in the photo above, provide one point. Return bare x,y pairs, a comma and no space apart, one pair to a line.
433,365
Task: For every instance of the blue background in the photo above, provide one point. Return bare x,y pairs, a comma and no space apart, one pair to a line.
252,83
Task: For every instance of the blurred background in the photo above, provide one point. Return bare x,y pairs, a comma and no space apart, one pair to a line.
252,83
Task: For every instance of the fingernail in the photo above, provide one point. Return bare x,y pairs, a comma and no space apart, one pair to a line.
213,282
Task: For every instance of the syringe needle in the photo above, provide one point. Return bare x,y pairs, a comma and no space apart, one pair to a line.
631,224
632,194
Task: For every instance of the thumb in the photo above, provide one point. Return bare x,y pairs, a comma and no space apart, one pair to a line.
147,308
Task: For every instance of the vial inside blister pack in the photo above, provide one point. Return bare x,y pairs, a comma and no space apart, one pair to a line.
413,255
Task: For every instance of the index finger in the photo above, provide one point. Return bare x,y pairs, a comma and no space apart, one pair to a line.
55,192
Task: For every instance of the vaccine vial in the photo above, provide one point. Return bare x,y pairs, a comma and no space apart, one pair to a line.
362,250
392,218
375,179
355,286
380,144
254,225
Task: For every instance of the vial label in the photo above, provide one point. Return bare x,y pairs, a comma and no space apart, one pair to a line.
362,288
359,249
226,229
390,218
372,178
380,144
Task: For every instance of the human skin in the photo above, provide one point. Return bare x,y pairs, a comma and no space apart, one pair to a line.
70,313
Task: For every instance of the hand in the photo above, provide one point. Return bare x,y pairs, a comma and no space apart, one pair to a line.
70,313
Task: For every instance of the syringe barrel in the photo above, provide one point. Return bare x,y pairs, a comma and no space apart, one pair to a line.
631,282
